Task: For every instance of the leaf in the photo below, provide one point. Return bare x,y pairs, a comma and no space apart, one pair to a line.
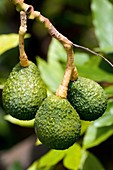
95,73
52,73
8,41
51,158
48,161
84,126
109,90
23,123
4,126
73,157
95,136
81,58
35,167
103,22
107,118
90,162
100,130
56,52
15,166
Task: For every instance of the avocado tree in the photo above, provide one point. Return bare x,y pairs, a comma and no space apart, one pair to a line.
73,113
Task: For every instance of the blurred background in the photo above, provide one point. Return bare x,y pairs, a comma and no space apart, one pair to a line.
75,20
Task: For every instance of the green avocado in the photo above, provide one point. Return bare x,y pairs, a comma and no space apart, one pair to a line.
23,92
87,97
57,124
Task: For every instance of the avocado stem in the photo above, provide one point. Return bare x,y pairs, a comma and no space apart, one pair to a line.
69,72
24,62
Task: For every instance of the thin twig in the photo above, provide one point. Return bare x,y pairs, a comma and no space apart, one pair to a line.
87,49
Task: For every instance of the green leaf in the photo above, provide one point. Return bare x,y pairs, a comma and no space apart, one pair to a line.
81,58
4,126
35,167
73,157
90,162
48,161
95,73
103,22
23,123
107,118
8,41
84,126
52,73
94,136
15,166
56,52
51,158
100,129
109,90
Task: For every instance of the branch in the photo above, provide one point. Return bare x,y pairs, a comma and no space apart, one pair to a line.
71,71
20,5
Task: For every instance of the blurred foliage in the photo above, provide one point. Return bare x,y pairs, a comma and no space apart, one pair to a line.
89,23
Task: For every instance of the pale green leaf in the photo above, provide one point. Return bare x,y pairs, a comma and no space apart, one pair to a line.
95,73
51,158
34,166
84,126
103,22
73,157
100,129
52,73
90,162
48,161
81,58
56,51
107,118
8,41
23,123
109,90
94,136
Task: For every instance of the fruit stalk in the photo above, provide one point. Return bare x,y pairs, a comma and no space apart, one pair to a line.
22,30
70,72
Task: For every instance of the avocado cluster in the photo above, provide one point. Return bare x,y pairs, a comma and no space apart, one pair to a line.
24,91
57,120
57,123
87,97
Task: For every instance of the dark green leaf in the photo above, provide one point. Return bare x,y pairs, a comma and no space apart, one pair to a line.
90,162
103,22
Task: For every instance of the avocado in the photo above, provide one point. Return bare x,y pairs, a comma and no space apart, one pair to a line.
57,124
87,97
23,92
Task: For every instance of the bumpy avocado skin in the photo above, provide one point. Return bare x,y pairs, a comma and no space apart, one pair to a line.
57,124
87,97
23,92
